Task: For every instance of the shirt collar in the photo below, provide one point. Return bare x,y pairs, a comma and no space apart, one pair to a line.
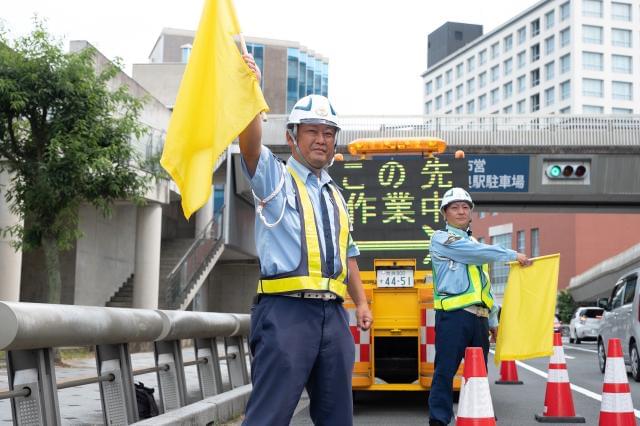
457,231
304,172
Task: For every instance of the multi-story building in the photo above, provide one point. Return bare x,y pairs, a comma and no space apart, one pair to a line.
289,70
558,56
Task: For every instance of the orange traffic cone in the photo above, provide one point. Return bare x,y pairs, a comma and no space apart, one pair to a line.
558,401
617,407
508,374
474,406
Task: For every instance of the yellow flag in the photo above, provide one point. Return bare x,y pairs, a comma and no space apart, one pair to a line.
219,96
526,320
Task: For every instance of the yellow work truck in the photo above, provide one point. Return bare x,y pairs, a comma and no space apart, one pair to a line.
393,188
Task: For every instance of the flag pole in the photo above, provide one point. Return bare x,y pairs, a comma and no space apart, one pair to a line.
243,46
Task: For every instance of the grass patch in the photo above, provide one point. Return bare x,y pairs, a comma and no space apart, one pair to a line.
80,352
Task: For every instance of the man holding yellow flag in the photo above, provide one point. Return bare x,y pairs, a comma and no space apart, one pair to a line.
465,310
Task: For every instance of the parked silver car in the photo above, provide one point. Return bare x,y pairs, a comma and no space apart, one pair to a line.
621,320
585,323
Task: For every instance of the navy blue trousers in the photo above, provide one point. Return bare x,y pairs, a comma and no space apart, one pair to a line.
298,343
455,331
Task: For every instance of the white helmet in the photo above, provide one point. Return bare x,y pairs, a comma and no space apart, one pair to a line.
453,195
313,109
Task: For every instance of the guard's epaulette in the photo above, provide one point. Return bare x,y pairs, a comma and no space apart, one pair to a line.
452,238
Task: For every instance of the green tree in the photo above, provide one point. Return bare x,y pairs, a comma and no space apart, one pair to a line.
566,306
65,137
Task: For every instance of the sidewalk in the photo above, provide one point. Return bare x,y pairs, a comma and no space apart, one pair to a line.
81,405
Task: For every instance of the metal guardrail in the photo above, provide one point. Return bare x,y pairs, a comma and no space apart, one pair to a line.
558,130
30,331
182,278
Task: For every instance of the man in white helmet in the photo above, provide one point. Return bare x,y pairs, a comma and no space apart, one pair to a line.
465,311
300,335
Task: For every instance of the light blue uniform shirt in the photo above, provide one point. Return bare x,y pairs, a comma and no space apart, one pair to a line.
279,247
451,251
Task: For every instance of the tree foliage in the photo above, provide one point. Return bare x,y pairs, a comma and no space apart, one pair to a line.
65,137
565,306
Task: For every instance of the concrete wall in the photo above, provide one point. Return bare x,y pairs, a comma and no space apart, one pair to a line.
34,281
232,286
275,78
239,215
162,80
174,225
105,254
442,42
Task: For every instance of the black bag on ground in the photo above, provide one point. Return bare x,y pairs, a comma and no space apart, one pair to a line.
147,406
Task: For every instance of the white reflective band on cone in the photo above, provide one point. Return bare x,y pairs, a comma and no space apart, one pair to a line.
431,323
431,318
431,353
558,376
357,357
615,372
616,403
475,399
558,355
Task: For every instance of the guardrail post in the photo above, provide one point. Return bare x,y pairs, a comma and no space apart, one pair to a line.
209,374
33,369
236,361
173,388
118,396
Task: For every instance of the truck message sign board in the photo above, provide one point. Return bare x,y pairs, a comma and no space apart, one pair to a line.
394,203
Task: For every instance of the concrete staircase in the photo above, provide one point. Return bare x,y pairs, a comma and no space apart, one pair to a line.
124,296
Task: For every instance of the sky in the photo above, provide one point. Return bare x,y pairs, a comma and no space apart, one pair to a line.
377,49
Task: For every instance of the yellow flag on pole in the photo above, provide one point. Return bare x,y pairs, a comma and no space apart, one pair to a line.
219,96
526,320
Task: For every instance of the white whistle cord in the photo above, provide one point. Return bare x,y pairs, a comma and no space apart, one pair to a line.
262,203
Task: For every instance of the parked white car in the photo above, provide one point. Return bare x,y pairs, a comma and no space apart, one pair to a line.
621,320
585,324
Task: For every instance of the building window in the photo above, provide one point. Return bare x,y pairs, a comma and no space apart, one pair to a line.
535,77
438,102
495,96
482,57
622,90
482,79
185,51
565,89
448,97
428,88
427,107
508,109
471,64
549,19
292,78
500,270
548,70
302,75
522,83
565,63
257,50
459,70
565,37
535,27
592,109
621,111
565,110
471,107
495,50
591,34
520,242
439,82
448,76
592,61
495,72
508,43
621,64
521,105
549,45
620,11
522,59
549,96
535,52
592,87
471,85
592,8
482,102
507,90
535,242
459,91
457,35
565,11
459,109
508,66
535,102
522,35
621,38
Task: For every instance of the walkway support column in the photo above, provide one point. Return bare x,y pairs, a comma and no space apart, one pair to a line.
10,258
146,279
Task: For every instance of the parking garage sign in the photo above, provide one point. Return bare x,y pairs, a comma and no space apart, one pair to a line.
498,173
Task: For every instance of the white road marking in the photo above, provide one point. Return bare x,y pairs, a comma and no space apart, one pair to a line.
569,357
593,351
576,388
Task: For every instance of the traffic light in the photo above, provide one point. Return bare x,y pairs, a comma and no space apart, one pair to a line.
576,171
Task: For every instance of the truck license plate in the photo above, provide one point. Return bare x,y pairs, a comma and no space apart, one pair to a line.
395,278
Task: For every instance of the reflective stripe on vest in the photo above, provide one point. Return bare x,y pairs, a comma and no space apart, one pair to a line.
475,294
312,278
